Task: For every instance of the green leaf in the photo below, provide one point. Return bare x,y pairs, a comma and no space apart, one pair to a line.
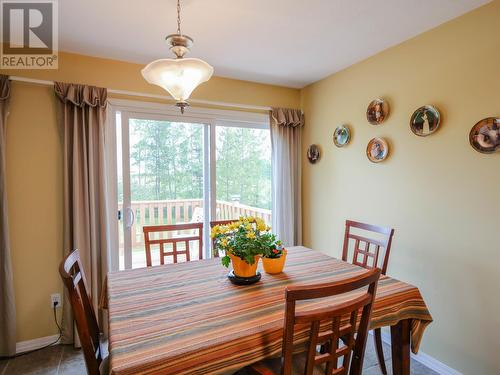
249,258
225,260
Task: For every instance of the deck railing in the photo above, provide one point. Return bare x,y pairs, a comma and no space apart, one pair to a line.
185,211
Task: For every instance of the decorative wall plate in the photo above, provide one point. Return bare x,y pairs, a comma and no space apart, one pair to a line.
485,135
377,150
377,111
341,136
313,154
425,120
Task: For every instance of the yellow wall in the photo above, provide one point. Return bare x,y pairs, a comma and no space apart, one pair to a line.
122,75
34,188
439,194
34,170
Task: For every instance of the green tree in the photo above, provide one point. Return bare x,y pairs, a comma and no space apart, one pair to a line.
244,166
167,162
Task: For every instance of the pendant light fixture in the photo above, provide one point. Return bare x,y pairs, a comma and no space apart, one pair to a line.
179,76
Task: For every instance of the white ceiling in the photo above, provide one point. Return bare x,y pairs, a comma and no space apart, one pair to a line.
284,42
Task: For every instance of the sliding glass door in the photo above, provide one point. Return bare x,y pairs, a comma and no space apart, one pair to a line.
161,182
173,169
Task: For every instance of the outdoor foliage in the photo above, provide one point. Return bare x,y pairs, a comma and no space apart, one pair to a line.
167,163
166,160
244,166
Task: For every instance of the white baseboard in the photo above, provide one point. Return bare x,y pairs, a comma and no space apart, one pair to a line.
26,346
426,359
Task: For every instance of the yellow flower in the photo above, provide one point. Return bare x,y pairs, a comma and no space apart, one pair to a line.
215,231
223,242
251,235
261,227
248,226
234,225
250,219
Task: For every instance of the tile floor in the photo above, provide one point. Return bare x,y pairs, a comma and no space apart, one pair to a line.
64,360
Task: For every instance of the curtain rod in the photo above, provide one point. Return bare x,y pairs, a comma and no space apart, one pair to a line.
154,96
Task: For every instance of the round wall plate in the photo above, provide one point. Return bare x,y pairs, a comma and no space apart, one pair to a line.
485,135
341,136
425,120
377,150
377,111
313,154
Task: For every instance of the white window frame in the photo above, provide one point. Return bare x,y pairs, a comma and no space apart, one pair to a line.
210,117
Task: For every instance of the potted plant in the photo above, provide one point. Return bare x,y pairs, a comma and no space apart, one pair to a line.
243,242
274,259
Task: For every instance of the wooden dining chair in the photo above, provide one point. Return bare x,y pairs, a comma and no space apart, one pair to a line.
175,241
94,349
347,323
366,254
215,253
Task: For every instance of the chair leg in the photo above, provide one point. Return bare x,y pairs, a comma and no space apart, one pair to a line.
379,349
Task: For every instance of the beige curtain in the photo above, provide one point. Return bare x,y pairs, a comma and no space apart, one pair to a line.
82,116
7,302
286,129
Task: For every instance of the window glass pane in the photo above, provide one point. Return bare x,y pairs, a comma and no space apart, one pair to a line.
166,180
166,161
243,173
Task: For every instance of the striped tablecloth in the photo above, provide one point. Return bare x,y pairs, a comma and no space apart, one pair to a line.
189,319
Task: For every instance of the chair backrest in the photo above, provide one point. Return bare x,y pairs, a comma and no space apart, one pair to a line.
73,277
215,253
367,257
174,252
342,324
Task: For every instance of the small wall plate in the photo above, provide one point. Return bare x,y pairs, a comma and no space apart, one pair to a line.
484,137
341,136
313,153
377,150
425,120
377,111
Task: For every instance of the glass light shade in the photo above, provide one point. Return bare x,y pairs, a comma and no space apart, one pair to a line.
178,76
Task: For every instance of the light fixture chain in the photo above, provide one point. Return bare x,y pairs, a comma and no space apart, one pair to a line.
179,17
178,77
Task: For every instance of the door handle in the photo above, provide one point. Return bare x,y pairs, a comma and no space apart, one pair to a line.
130,217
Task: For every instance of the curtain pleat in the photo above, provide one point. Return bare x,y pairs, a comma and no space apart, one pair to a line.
82,116
286,128
7,301
287,117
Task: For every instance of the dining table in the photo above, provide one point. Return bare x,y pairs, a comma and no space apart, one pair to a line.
188,318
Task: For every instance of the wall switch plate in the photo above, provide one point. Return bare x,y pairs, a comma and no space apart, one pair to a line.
55,298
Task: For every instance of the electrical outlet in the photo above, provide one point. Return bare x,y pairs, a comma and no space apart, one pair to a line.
55,299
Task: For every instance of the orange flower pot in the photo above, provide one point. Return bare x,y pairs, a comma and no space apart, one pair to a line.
242,268
274,265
